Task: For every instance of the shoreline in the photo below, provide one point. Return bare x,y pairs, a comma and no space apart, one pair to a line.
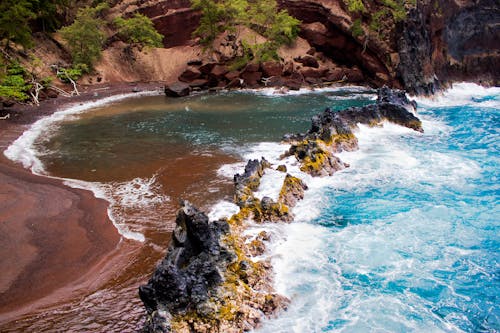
55,239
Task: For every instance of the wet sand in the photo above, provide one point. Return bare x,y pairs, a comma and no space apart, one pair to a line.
64,266
51,236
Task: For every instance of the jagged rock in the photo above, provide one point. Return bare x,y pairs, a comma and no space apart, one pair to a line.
281,168
271,68
271,211
189,75
192,269
249,181
177,89
292,191
331,131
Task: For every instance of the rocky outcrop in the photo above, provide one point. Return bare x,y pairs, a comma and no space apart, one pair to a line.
213,278
266,209
208,281
332,131
190,273
446,41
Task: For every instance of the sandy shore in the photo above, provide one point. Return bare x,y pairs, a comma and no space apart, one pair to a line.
50,235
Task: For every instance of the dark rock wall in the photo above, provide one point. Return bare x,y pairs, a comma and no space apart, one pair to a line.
445,41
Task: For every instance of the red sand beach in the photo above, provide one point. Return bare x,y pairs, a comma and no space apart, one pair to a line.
51,236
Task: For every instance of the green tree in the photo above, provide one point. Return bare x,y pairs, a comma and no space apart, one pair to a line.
139,30
15,16
212,19
85,37
47,11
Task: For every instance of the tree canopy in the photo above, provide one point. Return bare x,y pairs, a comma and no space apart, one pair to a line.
261,16
139,30
85,37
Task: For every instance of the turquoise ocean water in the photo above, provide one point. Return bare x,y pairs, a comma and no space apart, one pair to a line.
405,240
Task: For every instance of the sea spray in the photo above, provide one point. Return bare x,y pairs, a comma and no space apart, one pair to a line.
405,240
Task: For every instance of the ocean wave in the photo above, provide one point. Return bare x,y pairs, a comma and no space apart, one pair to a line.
135,192
132,204
23,151
462,94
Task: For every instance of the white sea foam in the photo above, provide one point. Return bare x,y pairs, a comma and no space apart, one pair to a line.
222,209
272,92
315,266
270,184
137,191
463,94
132,204
22,150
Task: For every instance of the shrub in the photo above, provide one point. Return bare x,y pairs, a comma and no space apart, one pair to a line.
139,30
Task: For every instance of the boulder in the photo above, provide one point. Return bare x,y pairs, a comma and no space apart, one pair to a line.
199,83
230,76
251,67
190,74
207,68
293,84
288,68
354,75
313,73
251,79
177,89
308,61
271,68
219,71
235,83
334,75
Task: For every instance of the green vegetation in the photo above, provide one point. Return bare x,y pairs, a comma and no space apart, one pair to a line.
262,16
139,30
387,14
15,16
355,6
85,37
213,18
13,84
357,29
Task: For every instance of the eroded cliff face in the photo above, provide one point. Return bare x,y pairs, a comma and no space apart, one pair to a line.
444,41
439,42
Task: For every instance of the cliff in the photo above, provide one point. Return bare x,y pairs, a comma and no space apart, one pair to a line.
436,43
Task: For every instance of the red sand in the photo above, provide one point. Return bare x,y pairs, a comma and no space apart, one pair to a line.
50,235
